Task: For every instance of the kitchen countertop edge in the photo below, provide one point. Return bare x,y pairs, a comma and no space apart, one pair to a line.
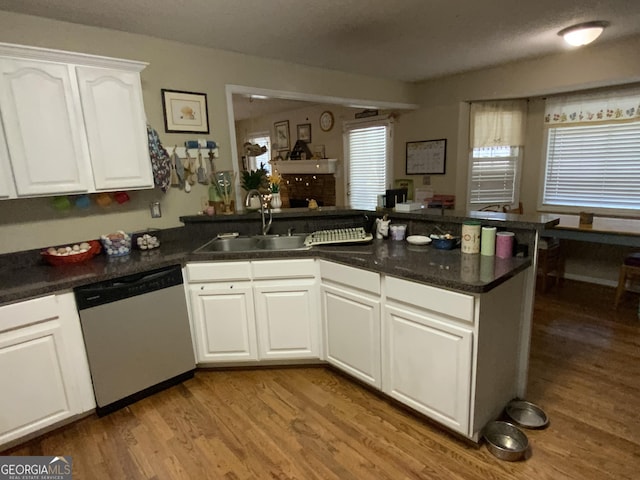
24,275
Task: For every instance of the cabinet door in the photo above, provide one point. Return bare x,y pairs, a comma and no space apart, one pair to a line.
288,319
224,322
43,367
427,366
352,332
7,188
116,129
44,129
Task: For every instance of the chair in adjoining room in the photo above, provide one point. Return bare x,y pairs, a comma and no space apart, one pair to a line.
515,210
550,258
629,270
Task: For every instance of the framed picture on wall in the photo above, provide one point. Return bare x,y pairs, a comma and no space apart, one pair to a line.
304,132
427,157
282,135
185,112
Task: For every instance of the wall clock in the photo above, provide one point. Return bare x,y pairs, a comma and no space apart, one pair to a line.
326,121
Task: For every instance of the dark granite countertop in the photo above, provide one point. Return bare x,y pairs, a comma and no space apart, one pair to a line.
24,274
498,219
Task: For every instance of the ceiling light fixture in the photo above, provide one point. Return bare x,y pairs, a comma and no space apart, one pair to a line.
583,33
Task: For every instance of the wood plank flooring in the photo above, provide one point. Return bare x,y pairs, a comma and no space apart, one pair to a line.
313,423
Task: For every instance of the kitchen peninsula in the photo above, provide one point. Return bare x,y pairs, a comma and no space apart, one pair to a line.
398,317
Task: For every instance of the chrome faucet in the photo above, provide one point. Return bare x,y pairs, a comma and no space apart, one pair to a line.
265,225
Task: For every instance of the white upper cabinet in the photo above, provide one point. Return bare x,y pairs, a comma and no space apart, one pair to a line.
73,123
44,128
7,188
115,122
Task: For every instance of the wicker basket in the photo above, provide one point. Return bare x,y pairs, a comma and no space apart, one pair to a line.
76,258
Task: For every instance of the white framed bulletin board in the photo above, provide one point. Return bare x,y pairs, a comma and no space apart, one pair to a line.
427,157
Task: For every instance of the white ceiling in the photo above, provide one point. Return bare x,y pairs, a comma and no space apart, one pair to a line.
407,40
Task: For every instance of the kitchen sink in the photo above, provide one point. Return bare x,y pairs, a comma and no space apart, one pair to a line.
255,243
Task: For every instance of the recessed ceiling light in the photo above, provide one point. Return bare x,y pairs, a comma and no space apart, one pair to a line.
259,97
583,33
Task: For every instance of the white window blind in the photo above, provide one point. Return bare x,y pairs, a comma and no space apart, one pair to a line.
494,171
594,166
367,149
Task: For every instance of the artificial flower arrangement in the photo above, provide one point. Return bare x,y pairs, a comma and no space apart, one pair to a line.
274,182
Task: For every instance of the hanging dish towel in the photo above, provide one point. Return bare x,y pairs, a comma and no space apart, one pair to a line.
160,160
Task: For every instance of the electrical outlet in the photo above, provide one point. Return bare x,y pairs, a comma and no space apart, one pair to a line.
156,212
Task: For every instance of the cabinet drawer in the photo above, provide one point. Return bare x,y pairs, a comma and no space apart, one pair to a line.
213,272
353,277
435,299
298,268
28,312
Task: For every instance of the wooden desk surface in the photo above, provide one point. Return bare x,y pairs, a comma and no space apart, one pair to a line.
620,226
615,231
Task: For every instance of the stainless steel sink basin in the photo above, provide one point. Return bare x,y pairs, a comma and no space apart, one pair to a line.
229,245
293,242
255,243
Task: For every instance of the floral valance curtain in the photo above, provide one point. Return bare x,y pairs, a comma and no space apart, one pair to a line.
611,106
498,123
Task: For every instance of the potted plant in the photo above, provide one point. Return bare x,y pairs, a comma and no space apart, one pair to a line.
255,180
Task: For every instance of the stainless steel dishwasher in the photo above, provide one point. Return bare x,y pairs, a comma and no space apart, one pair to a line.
137,335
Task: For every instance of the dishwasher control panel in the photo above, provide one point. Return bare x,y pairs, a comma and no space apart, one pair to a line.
129,286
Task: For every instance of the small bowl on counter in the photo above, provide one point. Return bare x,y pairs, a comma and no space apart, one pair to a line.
444,242
116,244
505,441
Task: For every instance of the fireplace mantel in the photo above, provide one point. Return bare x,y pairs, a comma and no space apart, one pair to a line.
320,166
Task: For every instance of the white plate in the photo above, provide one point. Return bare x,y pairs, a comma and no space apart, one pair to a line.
418,240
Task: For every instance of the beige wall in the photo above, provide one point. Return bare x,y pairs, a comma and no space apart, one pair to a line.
443,113
33,223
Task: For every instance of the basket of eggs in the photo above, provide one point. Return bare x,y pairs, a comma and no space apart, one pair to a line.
75,253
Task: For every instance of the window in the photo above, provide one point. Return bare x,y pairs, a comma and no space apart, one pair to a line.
261,138
593,151
494,175
367,153
496,139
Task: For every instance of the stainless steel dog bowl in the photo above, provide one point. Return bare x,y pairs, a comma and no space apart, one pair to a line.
506,441
526,414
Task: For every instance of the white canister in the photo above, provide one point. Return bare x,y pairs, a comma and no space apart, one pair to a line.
470,237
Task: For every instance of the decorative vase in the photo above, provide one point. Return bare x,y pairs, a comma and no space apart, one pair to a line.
276,201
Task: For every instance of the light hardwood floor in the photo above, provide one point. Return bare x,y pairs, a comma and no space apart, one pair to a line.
312,423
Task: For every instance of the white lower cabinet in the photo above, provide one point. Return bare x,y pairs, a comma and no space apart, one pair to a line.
351,320
449,355
287,319
260,310
352,332
43,366
224,322
427,365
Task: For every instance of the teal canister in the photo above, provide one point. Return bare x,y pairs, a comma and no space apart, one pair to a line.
488,241
470,237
